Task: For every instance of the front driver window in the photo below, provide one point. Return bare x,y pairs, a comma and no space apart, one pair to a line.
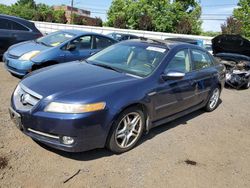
83,42
180,62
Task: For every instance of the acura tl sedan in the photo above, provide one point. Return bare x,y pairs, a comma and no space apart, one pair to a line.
57,47
113,97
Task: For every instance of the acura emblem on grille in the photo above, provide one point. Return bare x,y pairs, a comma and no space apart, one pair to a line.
23,98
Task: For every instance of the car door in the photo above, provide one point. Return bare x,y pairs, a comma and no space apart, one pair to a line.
204,73
173,96
20,32
84,48
6,37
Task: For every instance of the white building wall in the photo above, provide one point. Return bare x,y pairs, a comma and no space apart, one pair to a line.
46,27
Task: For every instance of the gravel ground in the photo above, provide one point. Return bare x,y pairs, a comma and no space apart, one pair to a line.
198,150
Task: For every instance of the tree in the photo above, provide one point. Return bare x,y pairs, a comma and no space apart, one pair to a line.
155,15
145,22
59,16
78,20
29,3
184,26
242,13
231,26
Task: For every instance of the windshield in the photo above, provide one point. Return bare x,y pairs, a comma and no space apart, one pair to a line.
55,39
132,58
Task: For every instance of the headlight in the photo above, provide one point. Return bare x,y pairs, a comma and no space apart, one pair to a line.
29,55
74,108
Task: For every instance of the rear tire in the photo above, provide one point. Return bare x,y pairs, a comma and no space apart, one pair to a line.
213,100
126,130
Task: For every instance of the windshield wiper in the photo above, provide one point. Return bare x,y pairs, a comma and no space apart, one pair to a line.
107,67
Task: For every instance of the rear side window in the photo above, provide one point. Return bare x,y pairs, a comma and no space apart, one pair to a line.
19,27
200,59
11,25
102,42
180,62
4,24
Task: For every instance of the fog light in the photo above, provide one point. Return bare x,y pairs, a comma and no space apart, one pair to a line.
67,140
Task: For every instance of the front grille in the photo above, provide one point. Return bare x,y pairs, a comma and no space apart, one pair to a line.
13,56
24,99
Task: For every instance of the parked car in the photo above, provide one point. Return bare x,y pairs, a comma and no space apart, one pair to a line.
233,51
187,40
111,98
208,47
57,47
122,36
14,30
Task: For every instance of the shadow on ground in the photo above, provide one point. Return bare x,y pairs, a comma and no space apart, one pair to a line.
99,153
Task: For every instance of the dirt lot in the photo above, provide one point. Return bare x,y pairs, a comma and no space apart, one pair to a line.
217,145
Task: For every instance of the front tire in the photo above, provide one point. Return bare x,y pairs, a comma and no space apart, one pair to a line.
126,130
213,100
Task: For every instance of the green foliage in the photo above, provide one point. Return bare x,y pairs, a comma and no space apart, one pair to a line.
231,26
28,3
78,20
242,13
28,9
156,15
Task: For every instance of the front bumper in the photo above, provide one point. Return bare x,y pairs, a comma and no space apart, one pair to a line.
88,130
16,66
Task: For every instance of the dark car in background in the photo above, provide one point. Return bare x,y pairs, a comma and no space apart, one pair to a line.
187,40
58,47
111,98
14,30
122,36
233,51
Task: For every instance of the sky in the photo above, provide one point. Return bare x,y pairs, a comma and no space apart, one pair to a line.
214,12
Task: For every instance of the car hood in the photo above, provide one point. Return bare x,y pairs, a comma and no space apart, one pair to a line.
69,78
25,47
231,44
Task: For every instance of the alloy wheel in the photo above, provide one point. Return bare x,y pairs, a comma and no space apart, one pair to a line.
214,98
128,130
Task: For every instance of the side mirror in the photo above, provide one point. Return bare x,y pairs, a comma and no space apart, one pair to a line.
173,75
71,47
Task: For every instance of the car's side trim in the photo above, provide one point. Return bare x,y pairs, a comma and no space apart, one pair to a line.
165,105
185,98
177,115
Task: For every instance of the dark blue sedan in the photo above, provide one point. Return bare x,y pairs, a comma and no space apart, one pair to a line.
58,47
111,98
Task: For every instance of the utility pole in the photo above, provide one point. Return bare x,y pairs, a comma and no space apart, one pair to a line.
71,12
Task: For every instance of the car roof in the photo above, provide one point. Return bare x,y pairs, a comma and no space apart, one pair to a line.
182,39
22,21
123,34
163,43
79,32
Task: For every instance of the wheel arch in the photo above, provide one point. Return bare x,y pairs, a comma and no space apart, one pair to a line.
140,105
43,64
